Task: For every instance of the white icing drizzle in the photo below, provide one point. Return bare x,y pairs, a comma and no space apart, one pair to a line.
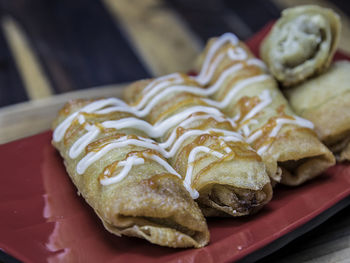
185,118
156,91
263,149
90,108
79,145
192,158
206,74
135,160
200,91
265,100
92,157
119,105
81,119
224,145
100,107
127,165
245,130
161,127
161,91
297,121
235,53
177,118
254,136
223,76
158,130
194,193
186,123
227,37
239,54
279,124
176,144
161,79
236,117
130,122
112,108
257,62
240,85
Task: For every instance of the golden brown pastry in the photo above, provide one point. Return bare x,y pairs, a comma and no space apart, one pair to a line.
227,174
123,176
325,100
242,88
301,43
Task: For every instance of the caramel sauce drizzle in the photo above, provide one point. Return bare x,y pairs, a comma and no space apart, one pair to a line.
198,141
98,144
74,129
211,122
90,119
110,170
266,129
245,105
98,117
153,181
247,71
183,99
175,107
238,149
77,103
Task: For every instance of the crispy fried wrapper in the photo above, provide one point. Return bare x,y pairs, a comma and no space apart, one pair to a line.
301,43
148,203
233,184
250,96
325,100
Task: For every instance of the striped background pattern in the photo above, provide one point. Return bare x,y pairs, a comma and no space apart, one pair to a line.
50,47
57,46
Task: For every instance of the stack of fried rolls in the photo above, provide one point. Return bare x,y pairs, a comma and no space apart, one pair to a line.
123,177
315,92
325,100
227,173
247,93
183,147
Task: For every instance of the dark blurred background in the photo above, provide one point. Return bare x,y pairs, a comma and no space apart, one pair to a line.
56,46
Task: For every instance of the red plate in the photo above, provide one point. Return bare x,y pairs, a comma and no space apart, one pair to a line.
43,219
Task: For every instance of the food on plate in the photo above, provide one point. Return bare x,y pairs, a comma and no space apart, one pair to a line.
227,176
214,144
242,88
123,175
325,100
301,43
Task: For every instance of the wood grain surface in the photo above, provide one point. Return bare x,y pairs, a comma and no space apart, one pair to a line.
57,50
28,118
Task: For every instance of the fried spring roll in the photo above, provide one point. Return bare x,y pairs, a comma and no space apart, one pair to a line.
246,92
123,177
325,100
301,43
227,173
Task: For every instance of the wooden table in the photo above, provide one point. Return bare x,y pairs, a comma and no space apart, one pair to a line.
53,51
